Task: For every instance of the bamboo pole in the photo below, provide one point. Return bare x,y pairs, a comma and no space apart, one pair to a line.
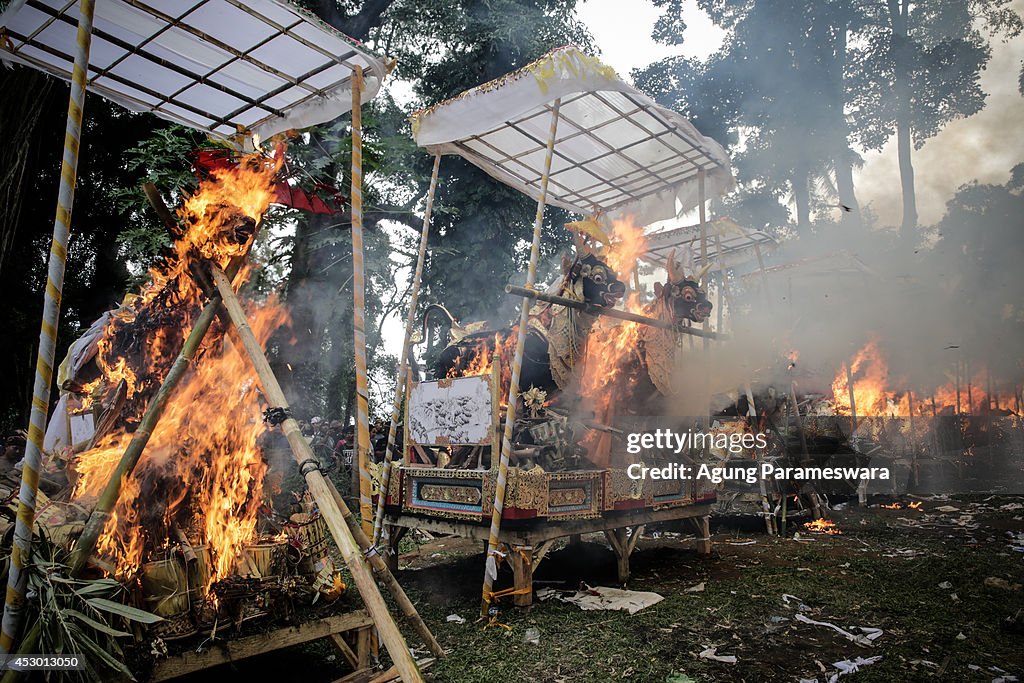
107,500
22,549
970,396
726,294
403,359
766,507
764,275
703,216
853,400
958,387
491,562
913,438
706,325
610,312
363,447
815,502
380,568
326,500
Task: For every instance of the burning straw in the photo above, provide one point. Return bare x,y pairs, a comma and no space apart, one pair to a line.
202,471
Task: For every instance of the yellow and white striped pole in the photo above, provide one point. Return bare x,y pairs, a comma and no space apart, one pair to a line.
16,579
491,564
363,445
403,360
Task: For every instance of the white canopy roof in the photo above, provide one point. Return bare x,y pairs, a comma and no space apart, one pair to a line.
222,66
616,151
738,245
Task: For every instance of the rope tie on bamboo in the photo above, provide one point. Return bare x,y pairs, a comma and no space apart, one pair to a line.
276,416
370,552
505,592
309,465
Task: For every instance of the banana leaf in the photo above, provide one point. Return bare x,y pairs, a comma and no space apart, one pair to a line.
132,613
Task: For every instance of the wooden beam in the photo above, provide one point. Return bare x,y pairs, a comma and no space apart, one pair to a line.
635,536
611,312
521,559
234,650
345,649
552,529
542,550
320,487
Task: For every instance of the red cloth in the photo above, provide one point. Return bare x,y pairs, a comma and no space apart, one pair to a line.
286,194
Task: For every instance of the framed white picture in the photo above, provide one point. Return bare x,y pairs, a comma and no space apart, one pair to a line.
457,411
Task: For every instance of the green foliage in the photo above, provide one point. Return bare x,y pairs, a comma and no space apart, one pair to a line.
669,27
944,55
77,616
774,81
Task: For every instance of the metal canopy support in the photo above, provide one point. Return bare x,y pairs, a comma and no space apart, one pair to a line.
17,578
403,359
491,563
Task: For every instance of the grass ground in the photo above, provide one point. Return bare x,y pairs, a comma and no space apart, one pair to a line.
920,575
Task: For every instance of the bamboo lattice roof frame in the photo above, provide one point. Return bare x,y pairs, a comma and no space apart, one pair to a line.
738,245
616,150
225,67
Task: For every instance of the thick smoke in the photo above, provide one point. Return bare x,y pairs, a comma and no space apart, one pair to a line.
826,295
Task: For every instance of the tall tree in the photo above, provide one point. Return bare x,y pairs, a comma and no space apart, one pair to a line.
915,67
481,228
771,82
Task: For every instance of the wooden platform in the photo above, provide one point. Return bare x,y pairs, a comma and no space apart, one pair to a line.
529,545
352,633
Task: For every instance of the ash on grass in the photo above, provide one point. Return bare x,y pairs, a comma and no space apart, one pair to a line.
853,581
884,571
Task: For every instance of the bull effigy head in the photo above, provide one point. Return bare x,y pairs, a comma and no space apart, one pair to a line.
601,286
683,296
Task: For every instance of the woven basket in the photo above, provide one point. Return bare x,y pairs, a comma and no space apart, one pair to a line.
165,587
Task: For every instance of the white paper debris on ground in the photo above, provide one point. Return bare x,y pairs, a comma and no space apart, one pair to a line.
699,588
945,585
456,619
867,637
605,598
710,653
947,508
786,598
850,666
750,542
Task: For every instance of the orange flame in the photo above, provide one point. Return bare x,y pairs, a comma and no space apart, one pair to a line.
202,471
628,244
823,526
870,375
878,394
611,344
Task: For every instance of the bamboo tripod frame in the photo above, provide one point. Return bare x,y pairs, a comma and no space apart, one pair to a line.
22,548
332,507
